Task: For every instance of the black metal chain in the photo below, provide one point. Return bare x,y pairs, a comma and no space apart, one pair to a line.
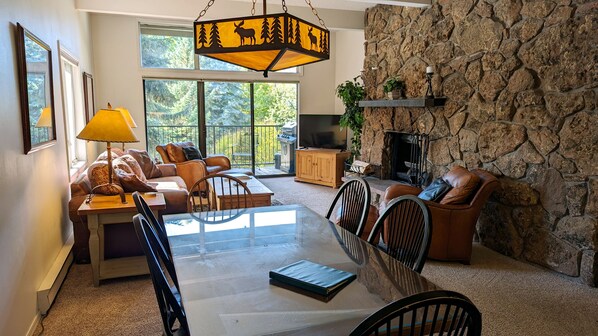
253,7
313,10
284,6
203,12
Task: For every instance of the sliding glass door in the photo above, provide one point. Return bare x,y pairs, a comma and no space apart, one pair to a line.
241,120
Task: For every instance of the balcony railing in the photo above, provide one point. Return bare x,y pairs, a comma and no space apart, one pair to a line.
232,141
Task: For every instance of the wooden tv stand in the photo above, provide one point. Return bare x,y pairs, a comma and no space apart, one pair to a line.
320,166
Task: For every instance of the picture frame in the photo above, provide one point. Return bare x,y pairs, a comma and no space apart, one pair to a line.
88,94
36,90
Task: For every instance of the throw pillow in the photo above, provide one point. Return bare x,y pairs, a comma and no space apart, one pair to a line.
132,163
175,151
435,191
149,168
464,184
130,182
98,176
192,153
116,152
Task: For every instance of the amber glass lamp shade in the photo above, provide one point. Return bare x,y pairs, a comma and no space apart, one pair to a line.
263,43
45,118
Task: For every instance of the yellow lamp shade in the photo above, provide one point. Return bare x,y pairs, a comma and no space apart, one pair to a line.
127,116
108,126
45,118
264,42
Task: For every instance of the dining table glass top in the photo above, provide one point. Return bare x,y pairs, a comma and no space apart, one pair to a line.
223,258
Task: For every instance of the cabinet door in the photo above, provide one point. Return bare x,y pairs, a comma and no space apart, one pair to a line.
325,167
305,165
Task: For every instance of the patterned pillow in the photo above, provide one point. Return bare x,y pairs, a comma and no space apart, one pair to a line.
192,153
175,151
133,165
149,168
116,152
98,175
130,182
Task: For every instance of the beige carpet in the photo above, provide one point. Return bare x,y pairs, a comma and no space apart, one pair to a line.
515,298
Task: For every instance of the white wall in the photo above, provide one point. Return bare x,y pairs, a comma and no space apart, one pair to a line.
350,54
33,188
118,73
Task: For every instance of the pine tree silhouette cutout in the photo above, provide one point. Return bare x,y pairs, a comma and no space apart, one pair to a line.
276,31
297,34
325,43
265,31
290,31
202,39
321,40
215,36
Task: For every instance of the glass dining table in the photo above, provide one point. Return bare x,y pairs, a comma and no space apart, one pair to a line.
223,258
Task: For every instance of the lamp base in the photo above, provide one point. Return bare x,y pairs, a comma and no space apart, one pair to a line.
121,192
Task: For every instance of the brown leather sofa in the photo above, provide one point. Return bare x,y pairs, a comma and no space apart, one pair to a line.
120,239
192,170
453,225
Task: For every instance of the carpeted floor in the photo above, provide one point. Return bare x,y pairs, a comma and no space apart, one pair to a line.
515,298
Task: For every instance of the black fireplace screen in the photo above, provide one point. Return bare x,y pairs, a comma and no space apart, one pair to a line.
409,154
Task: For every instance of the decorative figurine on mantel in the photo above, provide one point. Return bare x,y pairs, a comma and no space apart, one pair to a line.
394,88
429,74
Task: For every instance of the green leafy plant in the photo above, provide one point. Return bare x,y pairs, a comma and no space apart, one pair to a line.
394,83
351,92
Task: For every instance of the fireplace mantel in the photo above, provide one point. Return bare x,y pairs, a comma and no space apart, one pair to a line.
410,102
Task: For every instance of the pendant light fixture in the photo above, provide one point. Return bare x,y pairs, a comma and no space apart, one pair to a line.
266,42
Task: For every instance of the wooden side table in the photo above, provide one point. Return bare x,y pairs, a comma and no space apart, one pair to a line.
105,210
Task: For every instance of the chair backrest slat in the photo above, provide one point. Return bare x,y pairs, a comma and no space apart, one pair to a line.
353,197
404,231
233,191
428,313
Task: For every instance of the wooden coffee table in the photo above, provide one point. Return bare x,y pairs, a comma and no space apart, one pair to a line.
262,196
105,210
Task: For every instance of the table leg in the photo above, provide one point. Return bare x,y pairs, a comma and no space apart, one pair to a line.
94,247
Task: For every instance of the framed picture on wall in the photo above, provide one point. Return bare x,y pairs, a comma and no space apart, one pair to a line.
90,106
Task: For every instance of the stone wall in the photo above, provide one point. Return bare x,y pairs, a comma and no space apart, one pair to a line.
521,81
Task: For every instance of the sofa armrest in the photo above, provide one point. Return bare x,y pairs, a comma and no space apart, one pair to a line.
167,169
218,160
395,191
191,171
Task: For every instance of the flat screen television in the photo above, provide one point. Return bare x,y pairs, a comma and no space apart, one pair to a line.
321,131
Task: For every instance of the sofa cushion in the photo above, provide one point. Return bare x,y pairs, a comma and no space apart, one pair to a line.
435,191
131,182
98,175
149,168
464,185
192,153
175,151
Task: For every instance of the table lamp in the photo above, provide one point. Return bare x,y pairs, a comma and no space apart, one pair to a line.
108,126
45,120
128,118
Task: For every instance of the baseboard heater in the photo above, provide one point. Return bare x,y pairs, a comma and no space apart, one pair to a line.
48,290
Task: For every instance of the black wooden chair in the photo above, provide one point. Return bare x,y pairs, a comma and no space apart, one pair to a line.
233,194
167,295
352,203
404,231
427,313
158,226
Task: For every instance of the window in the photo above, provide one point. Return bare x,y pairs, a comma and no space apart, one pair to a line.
72,102
172,48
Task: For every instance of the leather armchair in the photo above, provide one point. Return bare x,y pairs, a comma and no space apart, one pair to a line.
192,170
453,226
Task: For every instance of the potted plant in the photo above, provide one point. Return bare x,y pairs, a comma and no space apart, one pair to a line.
351,92
394,87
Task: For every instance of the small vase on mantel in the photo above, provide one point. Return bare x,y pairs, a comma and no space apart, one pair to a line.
395,94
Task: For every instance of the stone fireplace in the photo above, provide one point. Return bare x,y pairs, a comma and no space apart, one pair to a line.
407,154
521,83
